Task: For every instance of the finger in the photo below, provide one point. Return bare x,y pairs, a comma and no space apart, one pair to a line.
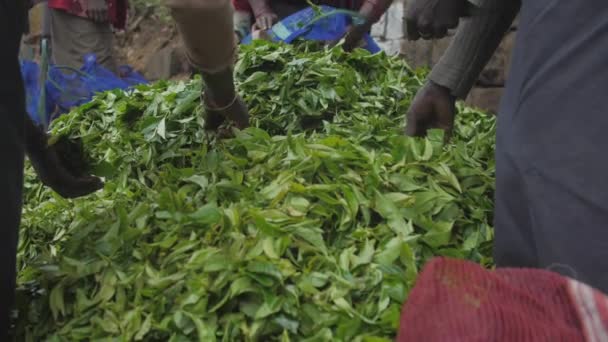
414,125
269,23
82,187
263,23
445,121
353,44
413,128
259,24
348,42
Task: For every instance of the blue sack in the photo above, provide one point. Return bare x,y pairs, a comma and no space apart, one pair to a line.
67,88
31,72
303,25
98,78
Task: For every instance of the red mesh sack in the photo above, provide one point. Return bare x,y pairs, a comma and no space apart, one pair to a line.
456,300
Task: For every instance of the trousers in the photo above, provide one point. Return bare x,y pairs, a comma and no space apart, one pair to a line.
12,149
551,170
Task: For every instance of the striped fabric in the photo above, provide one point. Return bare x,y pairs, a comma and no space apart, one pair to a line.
592,308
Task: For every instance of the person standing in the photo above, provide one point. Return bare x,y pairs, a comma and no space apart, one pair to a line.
456,72
21,136
207,30
81,27
551,207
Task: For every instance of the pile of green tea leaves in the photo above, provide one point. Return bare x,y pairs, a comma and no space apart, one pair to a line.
310,226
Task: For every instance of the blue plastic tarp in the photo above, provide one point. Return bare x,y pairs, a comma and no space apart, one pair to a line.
306,25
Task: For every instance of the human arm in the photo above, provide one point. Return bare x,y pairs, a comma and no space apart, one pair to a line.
456,72
371,11
472,47
51,169
431,19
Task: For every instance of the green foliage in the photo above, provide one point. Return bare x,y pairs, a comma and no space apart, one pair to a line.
309,226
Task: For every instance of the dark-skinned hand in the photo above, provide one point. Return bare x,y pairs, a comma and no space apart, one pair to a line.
354,37
431,19
433,107
52,170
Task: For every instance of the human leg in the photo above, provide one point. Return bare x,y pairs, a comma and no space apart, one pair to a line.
207,28
12,112
74,37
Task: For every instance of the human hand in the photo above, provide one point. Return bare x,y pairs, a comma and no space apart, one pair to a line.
353,38
431,19
433,107
265,21
54,172
97,10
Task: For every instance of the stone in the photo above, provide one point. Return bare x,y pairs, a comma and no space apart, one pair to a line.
417,54
496,71
165,63
508,45
395,27
378,30
390,47
487,99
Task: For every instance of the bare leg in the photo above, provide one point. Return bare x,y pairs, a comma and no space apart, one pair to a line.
207,30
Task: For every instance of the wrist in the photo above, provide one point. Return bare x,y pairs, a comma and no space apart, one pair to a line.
441,89
373,10
35,138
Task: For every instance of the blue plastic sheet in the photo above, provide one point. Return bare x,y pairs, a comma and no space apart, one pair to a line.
302,25
67,88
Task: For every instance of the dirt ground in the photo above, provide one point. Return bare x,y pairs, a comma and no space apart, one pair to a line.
144,36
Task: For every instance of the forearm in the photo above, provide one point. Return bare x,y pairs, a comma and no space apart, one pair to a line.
373,10
475,42
35,137
260,7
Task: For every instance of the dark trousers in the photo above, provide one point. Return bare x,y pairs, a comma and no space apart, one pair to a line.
12,114
551,148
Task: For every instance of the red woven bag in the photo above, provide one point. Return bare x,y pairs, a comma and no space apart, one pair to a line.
456,300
